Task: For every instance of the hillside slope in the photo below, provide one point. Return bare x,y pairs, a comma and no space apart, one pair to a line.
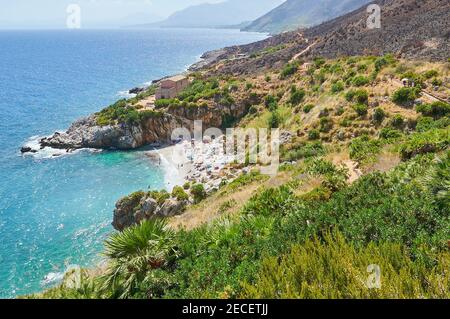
409,29
294,14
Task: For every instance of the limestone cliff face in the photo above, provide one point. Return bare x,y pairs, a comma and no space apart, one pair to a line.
86,133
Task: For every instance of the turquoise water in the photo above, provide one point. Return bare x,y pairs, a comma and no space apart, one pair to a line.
56,212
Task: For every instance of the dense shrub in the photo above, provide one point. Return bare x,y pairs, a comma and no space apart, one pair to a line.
425,142
326,124
288,70
360,96
425,123
297,95
304,150
337,87
405,95
198,192
313,134
271,102
133,253
360,109
378,115
306,272
397,121
388,133
360,80
274,120
308,107
363,148
436,109
179,193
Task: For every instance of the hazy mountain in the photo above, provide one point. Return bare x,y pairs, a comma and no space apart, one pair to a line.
227,13
293,14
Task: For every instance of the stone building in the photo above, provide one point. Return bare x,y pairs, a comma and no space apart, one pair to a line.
169,88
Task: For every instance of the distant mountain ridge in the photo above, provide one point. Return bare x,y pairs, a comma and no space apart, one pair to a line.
294,14
227,13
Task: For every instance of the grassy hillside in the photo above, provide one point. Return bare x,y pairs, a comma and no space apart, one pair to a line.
364,180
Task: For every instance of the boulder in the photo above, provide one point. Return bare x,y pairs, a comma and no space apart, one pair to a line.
171,207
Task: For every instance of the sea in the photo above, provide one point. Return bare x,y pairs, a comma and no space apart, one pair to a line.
56,211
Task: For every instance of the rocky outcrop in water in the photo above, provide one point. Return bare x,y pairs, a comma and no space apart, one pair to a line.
133,209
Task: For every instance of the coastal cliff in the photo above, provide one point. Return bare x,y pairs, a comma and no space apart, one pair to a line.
133,123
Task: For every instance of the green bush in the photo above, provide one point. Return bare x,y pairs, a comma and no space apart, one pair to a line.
288,70
274,120
436,109
425,142
326,124
337,87
198,192
360,80
425,123
271,102
397,121
304,150
380,63
405,95
388,133
297,95
361,109
179,193
135,252
313,134
360,96
378,115
430,74
308,107
364,149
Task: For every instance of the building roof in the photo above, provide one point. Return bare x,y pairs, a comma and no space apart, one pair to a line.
176,78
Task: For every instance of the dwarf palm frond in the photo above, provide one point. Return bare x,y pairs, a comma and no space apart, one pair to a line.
134,252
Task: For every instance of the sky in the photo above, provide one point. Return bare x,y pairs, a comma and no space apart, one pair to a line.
29,14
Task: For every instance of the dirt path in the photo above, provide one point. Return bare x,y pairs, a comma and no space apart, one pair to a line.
298,55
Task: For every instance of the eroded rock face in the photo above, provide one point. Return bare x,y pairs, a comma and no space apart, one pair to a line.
85,133
135,208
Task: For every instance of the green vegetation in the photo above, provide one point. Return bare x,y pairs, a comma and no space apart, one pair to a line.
274,120
314,134
297,95
337,87
359,80
361,109
198,192
398,221
360,96
405,95
425,142
397,121
179,193
303,150
288,70
364,149
134,254
308,107
121,112
379,115
436,110
305,272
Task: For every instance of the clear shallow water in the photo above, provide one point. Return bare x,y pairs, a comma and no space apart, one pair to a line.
57,212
